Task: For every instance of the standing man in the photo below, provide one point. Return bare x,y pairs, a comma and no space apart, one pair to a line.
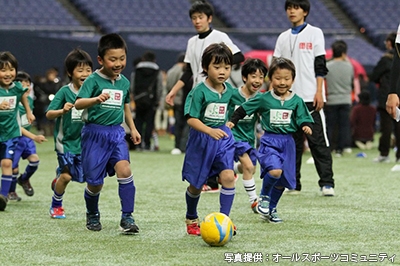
304,44
394,93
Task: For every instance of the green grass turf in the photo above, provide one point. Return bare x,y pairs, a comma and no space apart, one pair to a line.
362,219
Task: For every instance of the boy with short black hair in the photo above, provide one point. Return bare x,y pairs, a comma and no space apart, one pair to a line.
68,127
254,72
304,45
105,97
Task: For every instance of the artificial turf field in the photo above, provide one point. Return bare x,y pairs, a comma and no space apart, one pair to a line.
359,224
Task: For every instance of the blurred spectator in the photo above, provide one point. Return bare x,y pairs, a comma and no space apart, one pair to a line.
363,121
45,89
381,76
339,82
147,90
181,129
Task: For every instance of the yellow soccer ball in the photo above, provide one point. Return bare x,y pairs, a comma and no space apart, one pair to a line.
216,229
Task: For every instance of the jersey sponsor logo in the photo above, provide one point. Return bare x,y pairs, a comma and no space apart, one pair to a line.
11,100
76,115
115,99
216,111
305,46
280,116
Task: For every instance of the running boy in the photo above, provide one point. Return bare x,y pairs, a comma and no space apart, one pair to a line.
210,148
68,127
253,74
26,148
105,97
11,94
282,113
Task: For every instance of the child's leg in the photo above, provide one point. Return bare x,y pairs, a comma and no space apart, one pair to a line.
248,169
31,167
6,177
269,180
227,193
92,194
59,189
15,173
276,194
192,199
126,187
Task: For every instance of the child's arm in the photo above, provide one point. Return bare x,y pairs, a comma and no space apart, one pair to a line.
25,103
37,138
215,133
83,103
53,114
307,130
135,136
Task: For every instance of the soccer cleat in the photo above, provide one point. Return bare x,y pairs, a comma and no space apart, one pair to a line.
13,196
93,221
3,202
26,185
128,226
57,213
263,205
254,206
192,227
273,217
208,189
53,183
327,191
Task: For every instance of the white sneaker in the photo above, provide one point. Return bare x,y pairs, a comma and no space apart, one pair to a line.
382,159
327,191
347,150
176,151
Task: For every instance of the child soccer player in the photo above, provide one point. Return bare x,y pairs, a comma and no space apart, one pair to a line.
282,113
210,148
105,97
25,148
11,94
253,74
68,127
304,44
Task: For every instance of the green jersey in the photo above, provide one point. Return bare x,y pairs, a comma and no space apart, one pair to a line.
208,105
279,116
9,118
68,127
22,114
245,129
110,112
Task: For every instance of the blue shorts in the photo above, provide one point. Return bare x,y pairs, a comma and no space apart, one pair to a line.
7,148
24,149
102,148
206,156
278,151
72,164
242,147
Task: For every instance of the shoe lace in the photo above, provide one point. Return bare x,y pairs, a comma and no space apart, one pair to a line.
128,220
94,218
264,202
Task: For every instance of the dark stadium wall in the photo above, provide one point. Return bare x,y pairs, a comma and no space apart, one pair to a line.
35,54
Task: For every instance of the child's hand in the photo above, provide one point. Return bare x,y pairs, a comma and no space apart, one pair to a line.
30,117
103,97
307,130
67,107
217,133
4,105
135,137
230,124
39,139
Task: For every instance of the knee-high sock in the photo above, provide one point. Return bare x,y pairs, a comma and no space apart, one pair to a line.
30,170
6,181
13,185
226,197
268,183
92,201
250,187
126,192
274,197
57,200
191,205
